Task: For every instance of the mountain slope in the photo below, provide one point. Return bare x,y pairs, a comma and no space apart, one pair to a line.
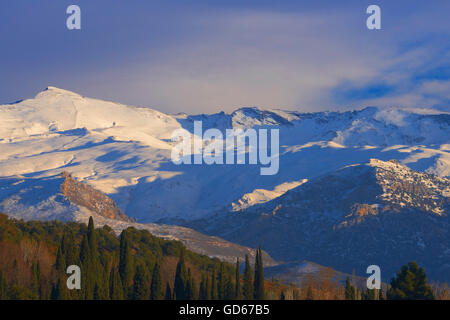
63,198
379,213
124,151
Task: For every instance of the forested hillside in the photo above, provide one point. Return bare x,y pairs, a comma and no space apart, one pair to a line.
34,256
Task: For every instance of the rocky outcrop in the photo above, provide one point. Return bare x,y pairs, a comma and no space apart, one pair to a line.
84,195
379,213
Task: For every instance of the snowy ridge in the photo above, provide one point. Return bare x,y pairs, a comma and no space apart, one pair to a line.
124,151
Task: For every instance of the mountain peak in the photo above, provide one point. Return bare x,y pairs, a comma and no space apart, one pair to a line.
55,90
59,90
51,93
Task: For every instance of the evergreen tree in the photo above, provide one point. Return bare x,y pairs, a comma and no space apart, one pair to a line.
247,289
91,235
190,287
202,293
70,249
140,284
237,279
156,292
229,288
350,293
115,287
259,276
168,295
126,265
207,288
84,250
60,264
36,280
221,283
214,292
94,266
410,284
95,285
181,282
89,280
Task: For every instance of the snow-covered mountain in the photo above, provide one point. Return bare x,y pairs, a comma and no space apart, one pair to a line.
329,203
124,151
380,212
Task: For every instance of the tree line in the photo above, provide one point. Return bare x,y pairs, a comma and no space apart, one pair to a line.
34,257
129,267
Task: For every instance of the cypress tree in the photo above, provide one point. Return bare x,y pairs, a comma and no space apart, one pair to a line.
126,265
115,287
140,284
237,279
168,295
91,234
84,250
180,284
350,293
36,280
190,287
207,288
193,285
214,292
156,292
229,288
60,264
87,289
247,289
70,249
202,295
94,263
259,276
94,283
221,283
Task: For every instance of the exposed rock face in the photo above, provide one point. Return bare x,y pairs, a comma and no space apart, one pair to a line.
90,198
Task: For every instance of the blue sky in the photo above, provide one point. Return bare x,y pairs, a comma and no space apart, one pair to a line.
207,56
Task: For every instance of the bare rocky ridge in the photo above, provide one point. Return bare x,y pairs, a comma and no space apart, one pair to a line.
84,195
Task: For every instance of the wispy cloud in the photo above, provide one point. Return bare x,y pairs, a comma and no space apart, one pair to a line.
204,57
